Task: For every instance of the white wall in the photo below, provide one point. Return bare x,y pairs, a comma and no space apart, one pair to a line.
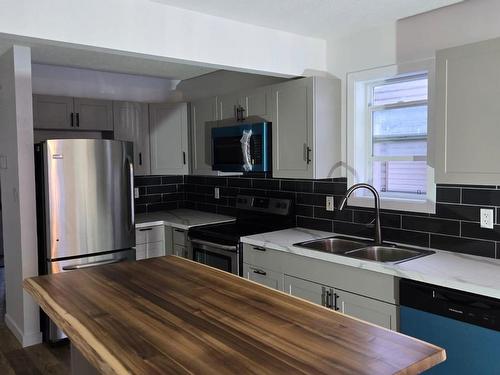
18,192
85,83
411,39
140,27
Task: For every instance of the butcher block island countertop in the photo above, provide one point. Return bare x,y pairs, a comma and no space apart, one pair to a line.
171,315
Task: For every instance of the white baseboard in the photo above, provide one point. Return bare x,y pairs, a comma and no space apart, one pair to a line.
25,339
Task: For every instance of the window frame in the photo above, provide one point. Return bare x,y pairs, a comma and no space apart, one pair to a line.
359,134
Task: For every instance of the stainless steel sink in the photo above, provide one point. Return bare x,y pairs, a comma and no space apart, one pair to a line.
387,254
364,250
335,245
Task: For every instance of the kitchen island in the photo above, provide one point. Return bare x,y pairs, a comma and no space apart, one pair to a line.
171,315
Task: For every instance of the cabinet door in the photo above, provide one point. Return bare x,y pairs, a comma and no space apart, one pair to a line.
169,138
94,114
203,113
308,290
181,251
367,309
263,276
226,106
169,246
52,112
255,103
155,249
140,252
468,114
292,117
131,124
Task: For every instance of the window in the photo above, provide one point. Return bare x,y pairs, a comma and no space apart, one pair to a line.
388,136
397,129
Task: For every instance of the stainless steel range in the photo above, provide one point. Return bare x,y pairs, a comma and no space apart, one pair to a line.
219,245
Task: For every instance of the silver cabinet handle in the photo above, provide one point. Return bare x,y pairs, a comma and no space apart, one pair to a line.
213,244
132,202
179,230
93,264
260,272
145,229
335,298
258,248
323,296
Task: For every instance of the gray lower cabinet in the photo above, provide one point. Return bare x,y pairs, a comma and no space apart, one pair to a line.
67,113
131,123
313,292
150,242
362,294
367,309
168,134
180,244
263,276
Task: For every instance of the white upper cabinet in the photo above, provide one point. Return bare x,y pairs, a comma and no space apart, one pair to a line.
226,106
468,114
67,113
203,113
52,112
168,128
255,103
305,115
131,124
94,114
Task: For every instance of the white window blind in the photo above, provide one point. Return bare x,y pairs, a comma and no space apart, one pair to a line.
397,136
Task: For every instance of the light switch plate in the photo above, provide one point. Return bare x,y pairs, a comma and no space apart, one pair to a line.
487,218
136,192
216,193
329,203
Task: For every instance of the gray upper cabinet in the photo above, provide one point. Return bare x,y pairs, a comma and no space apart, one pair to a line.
131,123
305,114
52,112
67,113
203,114
168,136
255,102
94,114
468,114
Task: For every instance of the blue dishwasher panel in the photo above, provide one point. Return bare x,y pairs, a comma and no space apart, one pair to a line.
470,349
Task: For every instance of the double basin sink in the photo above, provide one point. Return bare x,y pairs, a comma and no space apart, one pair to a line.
386,253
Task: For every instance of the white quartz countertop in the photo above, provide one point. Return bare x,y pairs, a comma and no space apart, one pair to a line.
453,270
180,218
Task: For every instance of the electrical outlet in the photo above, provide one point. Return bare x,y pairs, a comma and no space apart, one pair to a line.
136,192
487,217
329,203
217,193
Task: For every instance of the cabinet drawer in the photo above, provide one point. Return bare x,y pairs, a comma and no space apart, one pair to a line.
181,251
179,236
262,257
263,276
150,234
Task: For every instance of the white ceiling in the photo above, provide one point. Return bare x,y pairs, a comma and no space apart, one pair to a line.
316,18
104,61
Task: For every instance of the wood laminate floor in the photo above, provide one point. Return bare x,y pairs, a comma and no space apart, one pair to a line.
34,360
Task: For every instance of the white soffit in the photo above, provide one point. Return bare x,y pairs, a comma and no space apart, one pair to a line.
314,18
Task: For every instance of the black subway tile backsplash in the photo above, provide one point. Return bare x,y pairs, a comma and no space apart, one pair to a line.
454,226
487,197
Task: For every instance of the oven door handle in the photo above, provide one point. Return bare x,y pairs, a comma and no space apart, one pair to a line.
213,244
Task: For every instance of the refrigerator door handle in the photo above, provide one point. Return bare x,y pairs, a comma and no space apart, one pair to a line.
131,176
93,264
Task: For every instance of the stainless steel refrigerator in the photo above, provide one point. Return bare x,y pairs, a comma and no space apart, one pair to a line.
85,207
